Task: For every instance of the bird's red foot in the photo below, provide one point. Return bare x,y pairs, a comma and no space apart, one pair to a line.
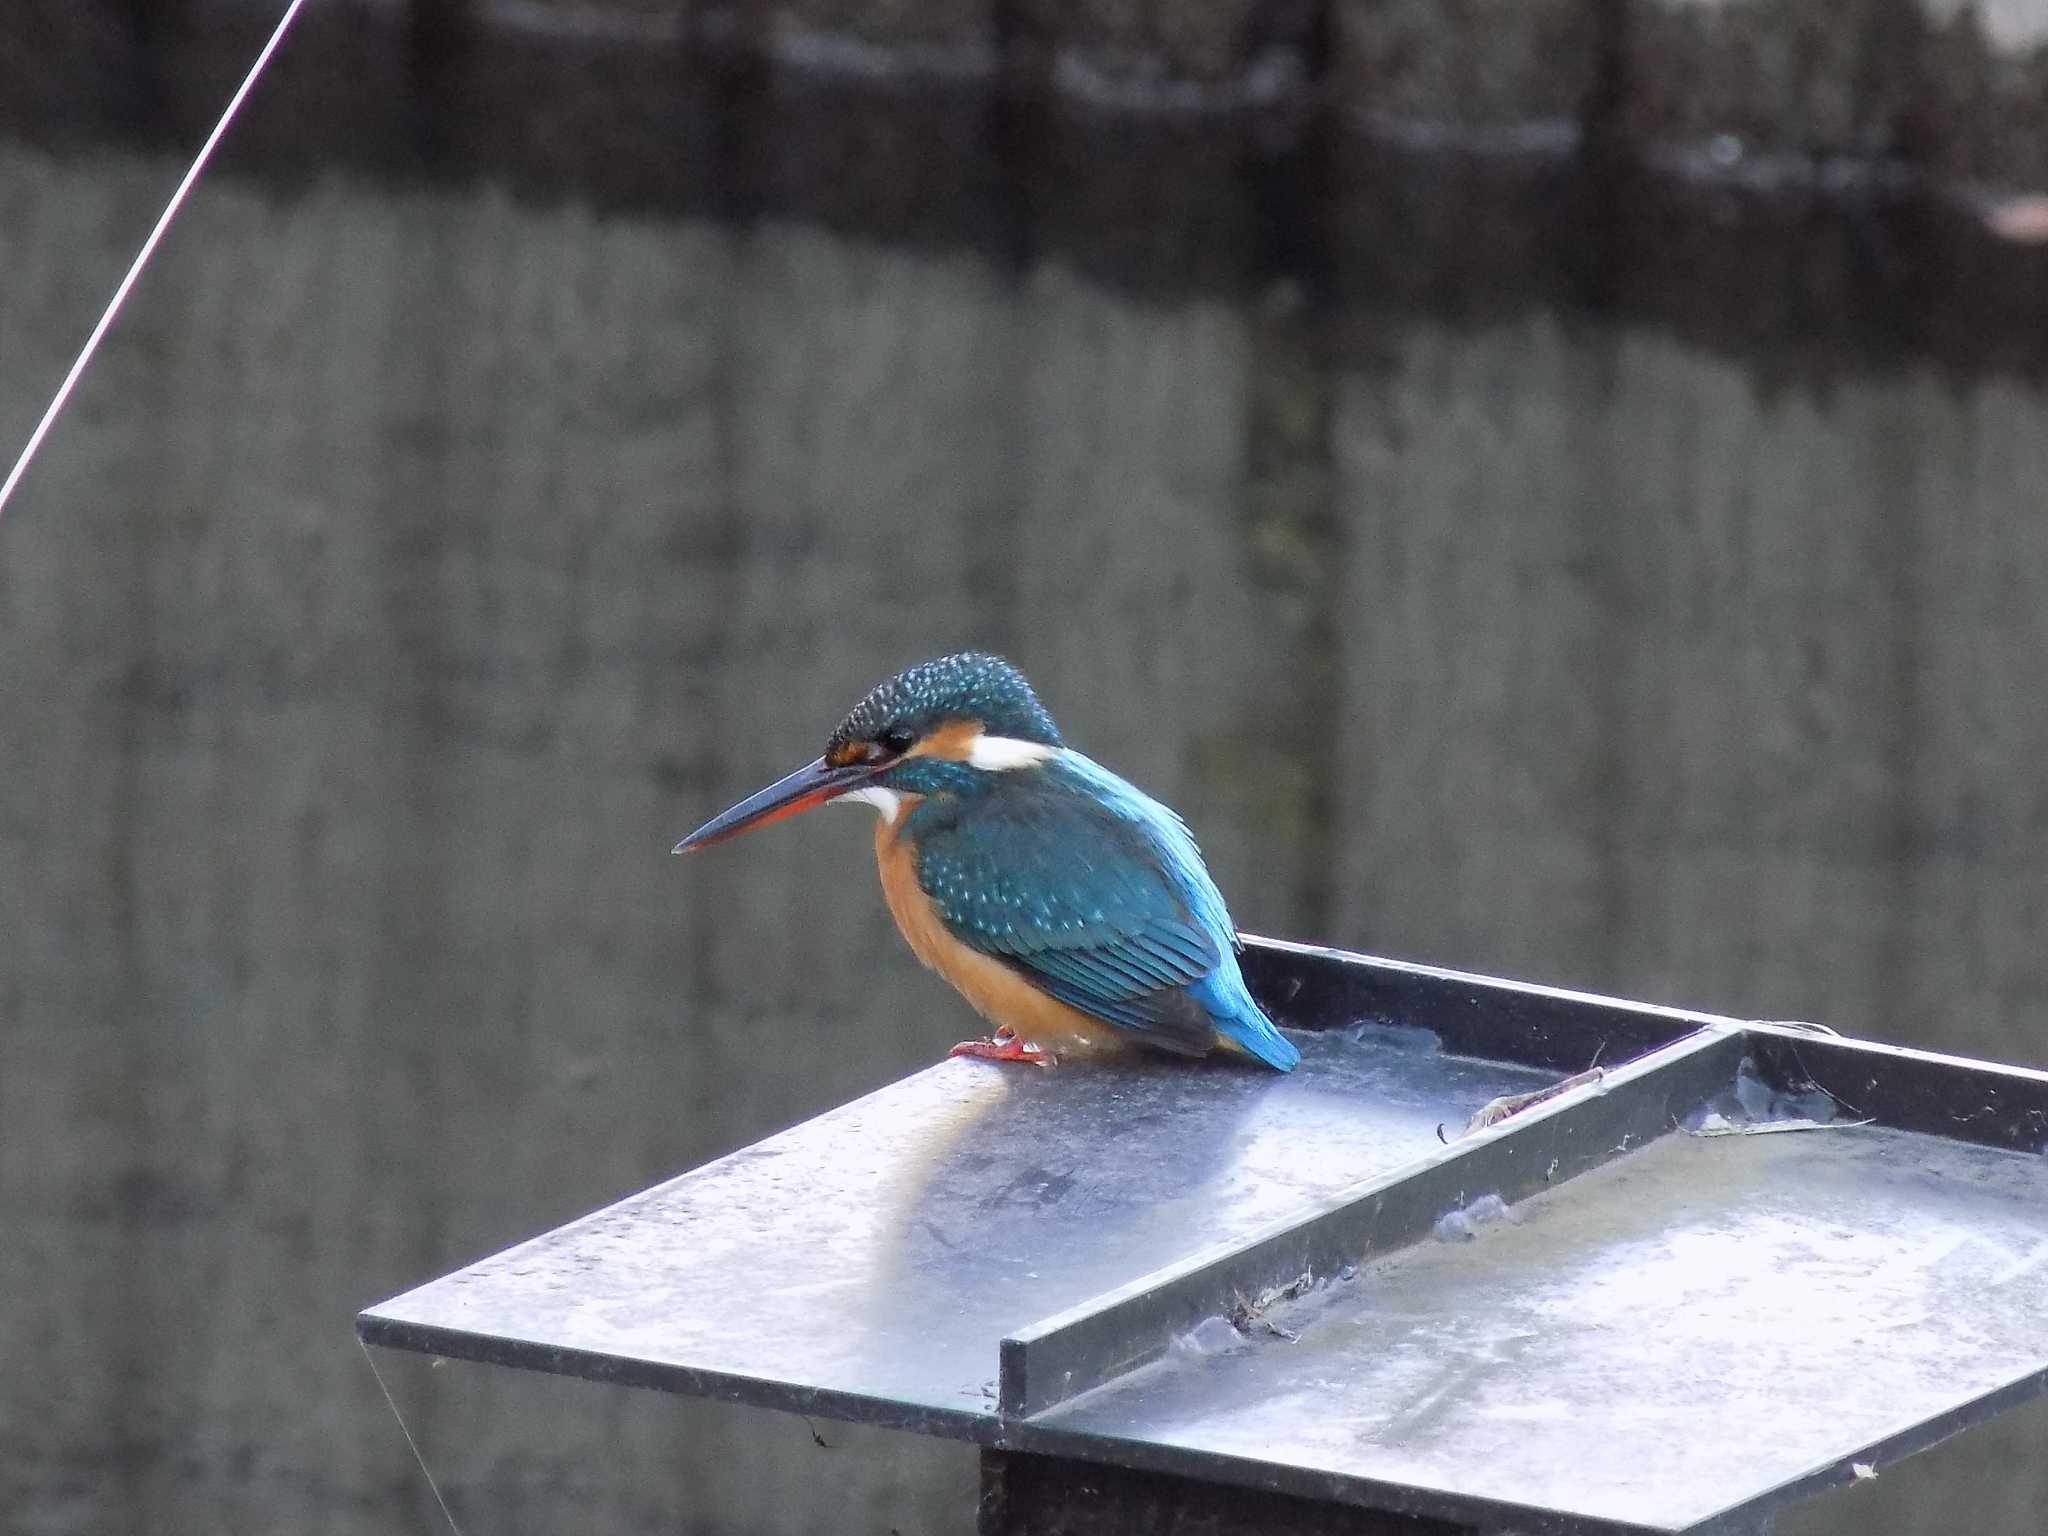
1004,1047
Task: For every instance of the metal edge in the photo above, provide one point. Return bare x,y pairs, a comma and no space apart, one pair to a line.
1959,1098
1887,1450
1474,1015
1341,966
379,1331
660,1186
1107,1336
1400,1499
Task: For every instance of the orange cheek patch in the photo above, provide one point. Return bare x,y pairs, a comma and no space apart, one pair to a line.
951,741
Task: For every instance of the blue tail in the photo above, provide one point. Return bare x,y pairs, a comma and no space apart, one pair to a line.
1240,1020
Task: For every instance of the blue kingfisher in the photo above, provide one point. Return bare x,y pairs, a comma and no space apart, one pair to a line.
1070,908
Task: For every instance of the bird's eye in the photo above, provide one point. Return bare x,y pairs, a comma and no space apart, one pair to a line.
895,741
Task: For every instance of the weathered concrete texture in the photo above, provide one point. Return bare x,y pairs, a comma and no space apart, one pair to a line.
963,30
1781,76
409,574
415,567
1940,86
1744,681
1123,47
1464,64
1116,45
1952,90
1779,261
1957,90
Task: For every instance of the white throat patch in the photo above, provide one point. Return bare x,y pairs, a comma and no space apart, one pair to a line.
999,754
887,801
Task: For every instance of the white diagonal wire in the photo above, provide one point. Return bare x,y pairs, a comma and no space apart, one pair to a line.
406,1430
92,342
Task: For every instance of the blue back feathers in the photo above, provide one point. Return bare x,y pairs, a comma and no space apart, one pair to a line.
1090,887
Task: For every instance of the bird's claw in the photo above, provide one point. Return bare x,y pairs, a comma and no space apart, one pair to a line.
1004,1047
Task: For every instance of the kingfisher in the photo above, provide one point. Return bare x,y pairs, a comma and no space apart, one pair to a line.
1071,909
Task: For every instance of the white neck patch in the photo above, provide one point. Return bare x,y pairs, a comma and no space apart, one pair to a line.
887,801
999,754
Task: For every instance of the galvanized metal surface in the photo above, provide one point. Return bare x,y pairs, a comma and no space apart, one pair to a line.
874,1257
1080,1349
1691,1331
1308,986
1590,1318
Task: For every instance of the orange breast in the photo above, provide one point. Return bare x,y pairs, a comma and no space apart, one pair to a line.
997,992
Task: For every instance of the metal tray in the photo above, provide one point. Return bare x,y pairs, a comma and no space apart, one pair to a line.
1647,1304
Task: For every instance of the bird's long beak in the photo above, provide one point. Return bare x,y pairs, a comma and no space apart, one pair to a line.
811,785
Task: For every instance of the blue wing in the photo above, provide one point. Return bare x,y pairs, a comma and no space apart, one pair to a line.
1098,894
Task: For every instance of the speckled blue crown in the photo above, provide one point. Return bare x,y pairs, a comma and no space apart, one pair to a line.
970,686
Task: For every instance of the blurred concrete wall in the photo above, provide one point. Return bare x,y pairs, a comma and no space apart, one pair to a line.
418,562
415,567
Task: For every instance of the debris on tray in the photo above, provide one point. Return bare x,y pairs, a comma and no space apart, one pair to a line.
1493,1111
1754,1108
1213,1335
1463,1224
1248,1316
